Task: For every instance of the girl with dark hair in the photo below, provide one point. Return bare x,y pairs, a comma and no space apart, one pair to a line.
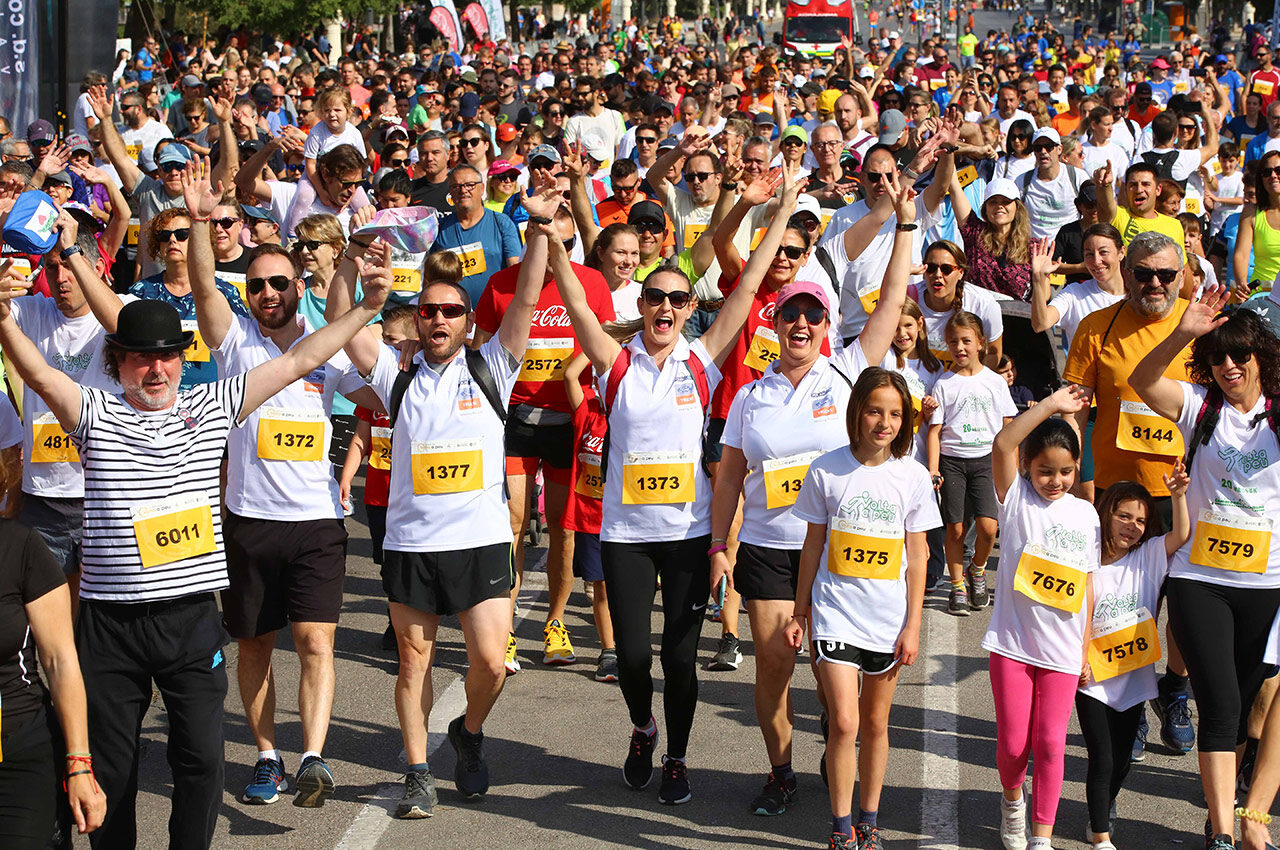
616,255
944,293
1017,159
1258,236
1049,550
860,590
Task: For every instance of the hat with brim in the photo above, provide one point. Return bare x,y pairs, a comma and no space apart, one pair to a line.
148,326
647,211
1002,187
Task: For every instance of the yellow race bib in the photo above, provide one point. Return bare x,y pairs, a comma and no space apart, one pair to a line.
198,352
1141,429
966,175
447,466
763,349
545,359
658,478
132,235
1127,643
590,482
1043,578
1263,87
472,257
295,435
49,443
133,151
406,280
1193,205
783,477
380,448
857,549
175,529
1241,544
691,234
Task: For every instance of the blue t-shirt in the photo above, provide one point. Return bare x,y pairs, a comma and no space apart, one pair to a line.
145,57
1239,128
199,367
1232,82
1161,92
483,249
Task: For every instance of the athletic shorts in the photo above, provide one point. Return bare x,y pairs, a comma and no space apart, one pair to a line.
282,572
871,663
551,445
448,582
763,573
586,556
61,524
712,448
968,488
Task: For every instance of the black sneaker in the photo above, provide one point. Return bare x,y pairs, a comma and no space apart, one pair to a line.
1139,751
840,841
1220,842
419,800
637,770
868,837
314,783
776,796
976,580
675,783
728,654
1244,776
471,774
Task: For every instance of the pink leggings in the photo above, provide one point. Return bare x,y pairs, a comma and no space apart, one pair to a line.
1033,706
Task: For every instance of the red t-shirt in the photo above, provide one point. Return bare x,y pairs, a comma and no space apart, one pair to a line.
552,343
1265,84
377,478
582,512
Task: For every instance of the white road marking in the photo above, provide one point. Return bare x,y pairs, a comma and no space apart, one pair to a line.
368,826
940,765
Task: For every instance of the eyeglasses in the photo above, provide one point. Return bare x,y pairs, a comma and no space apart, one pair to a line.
617,187
225,223
350,184
472,142
279,282
651,227
793,252
449,311
792,312
466,187
826,146
1144,275
945,268
697,176
557,113
1239,356
654,297
180,234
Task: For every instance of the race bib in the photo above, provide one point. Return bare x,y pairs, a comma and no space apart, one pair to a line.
49,443
380,448
658,478
691,234
133,151
763,349
133,233
20,266
757,236
236,279
1193,205
1181,87
1229,542
869,295
857,549
545,359
590,481
472,257
783,477
172,530
198,352
295,435
1043,578
407,280
1141,429
1263,87
446,466
1125,644
966,175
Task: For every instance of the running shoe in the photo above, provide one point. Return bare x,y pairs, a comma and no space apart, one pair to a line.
675,783
471,774
512,663
1244,776
958,604
1140,740
776,796
556,648
729,654
1104,845
607,666
1176,730
977,581
419,800
637,770
1220,842
824,725
840,841
868,837
268,781
1013,823
315,783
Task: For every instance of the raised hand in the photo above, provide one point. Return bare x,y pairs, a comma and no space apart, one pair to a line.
222,109
198,190
100,101
545,200
1042,261
55,160
376,275
1069,399
68,229
903,198
1103,175
694,142
573,164
761,189
89,173
1204,313
1177,481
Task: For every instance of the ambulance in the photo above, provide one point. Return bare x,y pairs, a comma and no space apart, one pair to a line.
814,27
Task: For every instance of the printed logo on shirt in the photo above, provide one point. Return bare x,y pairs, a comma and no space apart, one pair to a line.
766,312
555,316
1253,461
314,383
72,364
1114,605
865,507
824,403
1062,538
468,397
686,393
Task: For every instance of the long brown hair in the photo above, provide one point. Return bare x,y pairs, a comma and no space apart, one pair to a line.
1014,246
872,379
921,351
1125,491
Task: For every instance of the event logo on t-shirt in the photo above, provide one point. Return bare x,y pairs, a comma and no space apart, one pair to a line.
865,507
72,364
1064,539
824,403
1253,461
1114,605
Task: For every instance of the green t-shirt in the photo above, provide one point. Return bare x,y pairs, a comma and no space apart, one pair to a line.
968,42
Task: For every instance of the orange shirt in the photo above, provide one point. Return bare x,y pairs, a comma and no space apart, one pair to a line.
610,212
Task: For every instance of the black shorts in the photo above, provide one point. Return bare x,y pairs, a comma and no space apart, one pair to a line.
871,663
587,564
712,447
763,573
527,445
968,488
448,582
282,572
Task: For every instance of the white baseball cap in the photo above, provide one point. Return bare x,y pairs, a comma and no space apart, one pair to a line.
1046,133
1002,187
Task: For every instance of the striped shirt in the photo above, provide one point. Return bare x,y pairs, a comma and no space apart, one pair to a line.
151,489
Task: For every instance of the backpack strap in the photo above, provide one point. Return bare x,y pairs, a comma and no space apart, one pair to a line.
483,377
824,260
619,368
398,389
842,375
1110,324
1206,423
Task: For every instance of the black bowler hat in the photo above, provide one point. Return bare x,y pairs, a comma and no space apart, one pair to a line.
148,326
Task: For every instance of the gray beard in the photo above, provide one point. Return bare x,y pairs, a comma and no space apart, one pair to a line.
1152,311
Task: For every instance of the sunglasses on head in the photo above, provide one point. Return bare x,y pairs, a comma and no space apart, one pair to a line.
1143,275
180,234
449,311
654,297
793,252
279,282
1239,356
945,268
792,312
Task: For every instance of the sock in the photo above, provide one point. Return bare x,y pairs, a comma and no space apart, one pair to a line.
308,754
842,824
976,569
273,755
958,584
1040,842
1009,804
650,730
420,768
783,771
869,818
1177,684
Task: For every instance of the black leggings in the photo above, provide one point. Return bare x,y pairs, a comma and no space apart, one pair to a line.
33,806
1108,736
631,573
1222,632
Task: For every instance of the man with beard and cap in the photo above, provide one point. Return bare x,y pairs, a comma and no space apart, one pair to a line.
285,538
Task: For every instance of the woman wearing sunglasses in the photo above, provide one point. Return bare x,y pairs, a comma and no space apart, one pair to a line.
657,496
1259,233
1018,158
1224,583
500,185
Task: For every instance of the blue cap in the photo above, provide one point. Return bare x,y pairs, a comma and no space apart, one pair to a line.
260,213
469,105
1221,57
173,152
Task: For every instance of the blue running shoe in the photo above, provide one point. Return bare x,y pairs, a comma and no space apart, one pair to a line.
1140,740
1176,730
268,781
315,783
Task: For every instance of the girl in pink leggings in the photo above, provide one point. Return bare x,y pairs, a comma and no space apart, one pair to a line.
1049,547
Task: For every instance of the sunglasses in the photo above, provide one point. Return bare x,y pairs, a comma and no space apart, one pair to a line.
792,312
180,234
167,167
398,163
654,297
449,311
471,143
1143,275
1239,356
654,228
697,176
556,113
351,184
792,140
874,177
1187,127
1273,171
279,282
793,252
310,244
945,268
225,223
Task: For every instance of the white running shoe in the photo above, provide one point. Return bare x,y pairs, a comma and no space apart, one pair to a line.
1013,823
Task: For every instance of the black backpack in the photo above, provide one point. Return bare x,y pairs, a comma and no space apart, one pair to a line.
1163,164
479,373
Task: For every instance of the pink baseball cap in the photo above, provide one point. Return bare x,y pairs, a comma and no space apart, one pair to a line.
802,287
501,166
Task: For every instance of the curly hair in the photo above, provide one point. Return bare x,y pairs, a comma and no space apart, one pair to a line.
161,221
1245,330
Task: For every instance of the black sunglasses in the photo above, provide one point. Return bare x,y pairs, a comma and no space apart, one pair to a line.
279,282
874,177
310,244
472,142
351,184
697,176
651,227
646,140
180,234
1273,171
934,268
1239,356
225,223
792,312
793,252
166,167
449,311
1143,275
654,297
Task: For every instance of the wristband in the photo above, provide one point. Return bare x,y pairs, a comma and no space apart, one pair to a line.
68,253
717,548
729,186
715,540
194,218
910,225
539,219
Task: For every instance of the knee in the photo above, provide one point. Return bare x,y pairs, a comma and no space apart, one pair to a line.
1050,748
774,666
875,725
315,644
679,664
256,649
843,723
955,532
415,659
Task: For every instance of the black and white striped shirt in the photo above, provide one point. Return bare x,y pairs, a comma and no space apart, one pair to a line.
137,460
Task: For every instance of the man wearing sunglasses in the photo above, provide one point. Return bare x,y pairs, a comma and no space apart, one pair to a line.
485,241
340,171
690,208
231,259
1129,441
1049,190
594,119
624,176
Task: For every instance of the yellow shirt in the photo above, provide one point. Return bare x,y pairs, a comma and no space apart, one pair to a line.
1130,226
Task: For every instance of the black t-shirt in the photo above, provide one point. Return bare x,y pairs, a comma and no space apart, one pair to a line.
424,193
27,572
1068,247
240,265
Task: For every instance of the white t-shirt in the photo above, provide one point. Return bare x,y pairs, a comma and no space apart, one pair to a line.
1006,123
81,114
624,301
321,140
1185,165
1051,203
282,195
882,503
607,128
781,429
1077,300
971,410
1124,592
1124,137
1245,456
140,144
1065,531
1014,167
920,381
1229,186
1095,157
973,299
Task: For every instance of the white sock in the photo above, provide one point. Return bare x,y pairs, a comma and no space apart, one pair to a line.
666,759
1040,842
1011,804
651,729
274,755
307,755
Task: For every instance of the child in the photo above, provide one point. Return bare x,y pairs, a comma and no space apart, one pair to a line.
860,589
973,404
1225,192
1193,246
1126,589
1049,550
1021,395
333,105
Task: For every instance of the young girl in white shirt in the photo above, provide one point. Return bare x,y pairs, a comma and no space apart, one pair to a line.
1049,550
334,107
1124,644
973,404
860,590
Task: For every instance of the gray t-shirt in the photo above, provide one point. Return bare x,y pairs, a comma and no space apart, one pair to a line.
149,198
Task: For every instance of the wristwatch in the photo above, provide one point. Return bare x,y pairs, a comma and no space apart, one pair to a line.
911,225
68,253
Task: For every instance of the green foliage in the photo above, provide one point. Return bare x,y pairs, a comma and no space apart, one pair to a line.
284,16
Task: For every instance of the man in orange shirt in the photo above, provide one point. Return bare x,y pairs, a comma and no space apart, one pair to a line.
625,179
1143,109
1066,122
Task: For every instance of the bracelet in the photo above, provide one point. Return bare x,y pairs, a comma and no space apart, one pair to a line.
539,219
729,186
911,225
715,540
716,549
1256,816
194,218
80,756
